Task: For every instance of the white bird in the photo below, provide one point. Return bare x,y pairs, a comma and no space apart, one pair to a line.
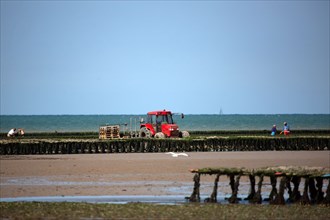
177,154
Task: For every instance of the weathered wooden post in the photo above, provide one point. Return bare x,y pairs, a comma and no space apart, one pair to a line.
117,147
279,199
89,148
257,197
327,197
288,186
312,190
232,182
145,146
305,199
96,148
296,196
76,147
273,193
195,196
102,147
214,194
319,193
252,188
233,198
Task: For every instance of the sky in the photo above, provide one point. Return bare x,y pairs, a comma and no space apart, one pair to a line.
196,57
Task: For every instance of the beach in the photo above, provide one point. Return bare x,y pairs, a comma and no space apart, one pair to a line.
133,173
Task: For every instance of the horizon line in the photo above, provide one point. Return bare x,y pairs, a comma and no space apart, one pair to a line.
117,114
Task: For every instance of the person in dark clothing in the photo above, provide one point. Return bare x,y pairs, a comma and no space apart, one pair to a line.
273,131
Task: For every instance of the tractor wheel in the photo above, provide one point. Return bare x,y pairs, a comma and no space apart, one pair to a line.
160,135
144,133
184,134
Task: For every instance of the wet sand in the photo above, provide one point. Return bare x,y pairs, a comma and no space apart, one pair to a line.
133,173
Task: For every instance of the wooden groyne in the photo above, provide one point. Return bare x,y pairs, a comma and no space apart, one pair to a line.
217,133
290,179
138,145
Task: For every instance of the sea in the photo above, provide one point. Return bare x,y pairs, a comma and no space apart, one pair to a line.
190,122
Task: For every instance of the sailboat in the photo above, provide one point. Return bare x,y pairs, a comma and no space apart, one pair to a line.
220,112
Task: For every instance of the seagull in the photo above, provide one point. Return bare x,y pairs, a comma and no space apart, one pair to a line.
177,154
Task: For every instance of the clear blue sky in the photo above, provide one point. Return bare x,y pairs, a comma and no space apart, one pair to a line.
131,57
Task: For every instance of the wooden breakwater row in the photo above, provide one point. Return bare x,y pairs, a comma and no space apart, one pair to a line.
290,177
95,135
74,146
314,132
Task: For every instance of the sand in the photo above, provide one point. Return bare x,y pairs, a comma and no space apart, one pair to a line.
132,173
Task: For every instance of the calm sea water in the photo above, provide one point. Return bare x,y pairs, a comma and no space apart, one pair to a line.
70,123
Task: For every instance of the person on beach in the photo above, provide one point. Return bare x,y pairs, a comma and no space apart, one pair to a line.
21,132
286,129
12,132
273,130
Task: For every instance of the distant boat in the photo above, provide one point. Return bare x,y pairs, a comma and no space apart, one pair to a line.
220,112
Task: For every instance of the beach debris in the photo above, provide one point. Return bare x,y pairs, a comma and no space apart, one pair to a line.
177,154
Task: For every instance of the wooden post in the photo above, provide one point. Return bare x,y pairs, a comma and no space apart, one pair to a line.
296,196
214,194
327,197
312,190
288,186
305,199
232,182
257,198
195,196
273,193
279,200
233,198
252,187
319,193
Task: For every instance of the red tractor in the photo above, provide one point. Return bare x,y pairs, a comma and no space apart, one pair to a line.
160,124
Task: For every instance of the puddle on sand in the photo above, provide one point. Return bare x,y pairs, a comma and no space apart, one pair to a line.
101,199
165,200
177,191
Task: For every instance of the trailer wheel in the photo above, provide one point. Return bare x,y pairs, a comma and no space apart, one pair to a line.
144,133
184,134
160,135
